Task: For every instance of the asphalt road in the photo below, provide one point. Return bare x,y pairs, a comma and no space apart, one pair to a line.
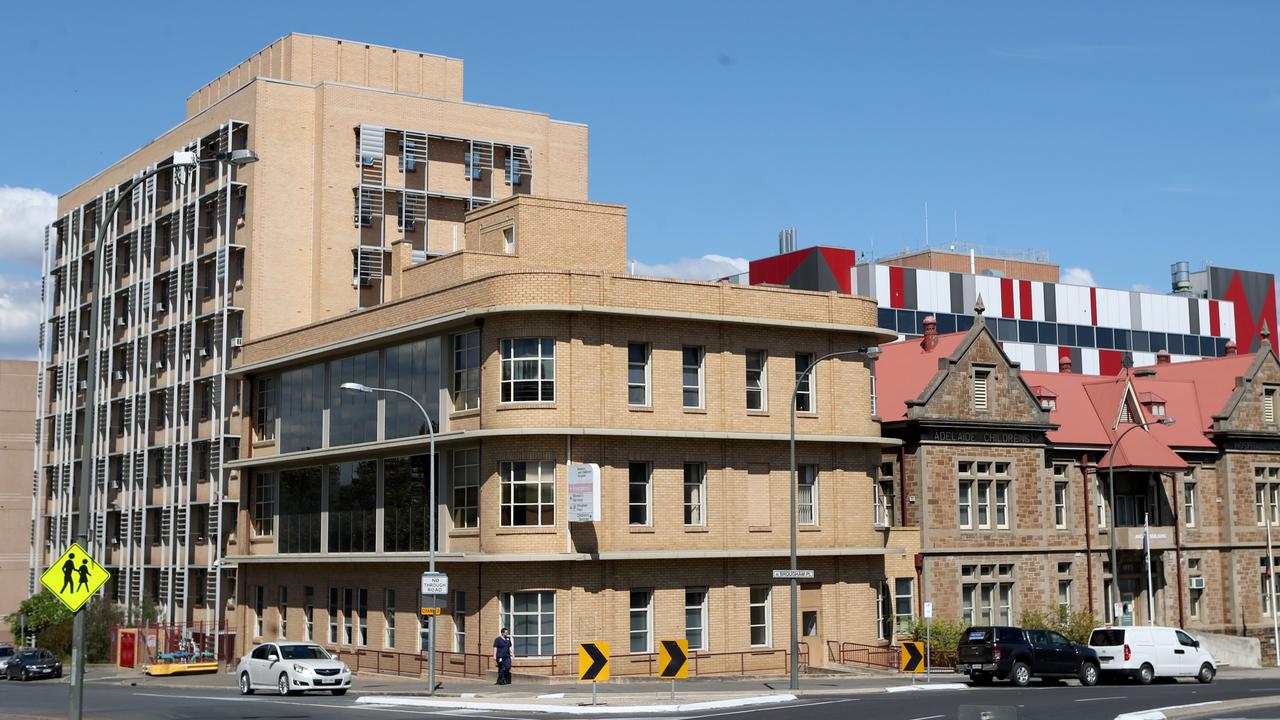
1058,702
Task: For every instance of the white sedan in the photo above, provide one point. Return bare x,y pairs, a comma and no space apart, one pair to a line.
292,668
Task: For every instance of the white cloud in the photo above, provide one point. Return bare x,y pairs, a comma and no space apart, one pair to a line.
1142,288
1077,276
707,267
19,317
23,214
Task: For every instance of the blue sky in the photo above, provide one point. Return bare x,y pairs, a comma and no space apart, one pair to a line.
1117,137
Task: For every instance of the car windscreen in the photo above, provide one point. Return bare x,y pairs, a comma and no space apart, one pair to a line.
5,652
1107,638
28,655
303,652
975,635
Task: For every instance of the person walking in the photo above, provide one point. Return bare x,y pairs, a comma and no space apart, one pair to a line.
68,568
502,656
84,576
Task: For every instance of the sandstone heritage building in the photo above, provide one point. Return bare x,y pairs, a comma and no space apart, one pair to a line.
1006,476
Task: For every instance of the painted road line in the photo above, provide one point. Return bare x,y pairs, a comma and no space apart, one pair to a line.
1158,713
927,686
1109,697
928,717
300,704
759,709
438,704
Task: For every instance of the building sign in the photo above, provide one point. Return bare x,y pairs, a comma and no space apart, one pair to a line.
1251,444
584,492
981,436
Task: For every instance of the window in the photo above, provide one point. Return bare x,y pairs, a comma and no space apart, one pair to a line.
1189,499
301,408
473,165
466,371
883,496
695,618
424,633
757,380
352,506
986,594
1268,586
1266,495
804,383
1100,505
1196,597
807,494
529,370
283,609
1269,406
264,413
414,369
405,518
1060,496
884,611
408,160
903,606
459,621
1157,409
528,494
641,619
466,488
638,374
333,615
509,240
348,595
983,495
691,376
389,619
532,619
639,493
1064,594
258,592
353,416
760,616
981,376
264,504
695,494
309,612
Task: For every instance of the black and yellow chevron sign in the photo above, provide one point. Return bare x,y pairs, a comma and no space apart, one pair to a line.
593,661
912,657
673,659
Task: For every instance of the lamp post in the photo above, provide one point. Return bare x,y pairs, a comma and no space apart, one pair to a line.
871,354
432,512
1111,497
184,160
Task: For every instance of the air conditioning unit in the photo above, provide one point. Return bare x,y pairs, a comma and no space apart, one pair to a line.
237,342
1195,583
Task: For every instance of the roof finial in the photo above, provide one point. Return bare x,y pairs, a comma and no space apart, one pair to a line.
1265,332
978,306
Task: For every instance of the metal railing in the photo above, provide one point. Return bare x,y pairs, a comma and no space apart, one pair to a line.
766,661
873,656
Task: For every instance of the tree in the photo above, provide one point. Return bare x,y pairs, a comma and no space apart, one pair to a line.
42,610
1075,624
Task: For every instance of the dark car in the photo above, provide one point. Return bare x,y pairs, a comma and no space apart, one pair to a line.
1015,654
27,664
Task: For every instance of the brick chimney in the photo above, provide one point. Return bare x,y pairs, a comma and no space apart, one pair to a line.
930,341
1064,364
1231,347
1162,358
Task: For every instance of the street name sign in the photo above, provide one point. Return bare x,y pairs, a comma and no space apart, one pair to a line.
74,577
792,574
593,661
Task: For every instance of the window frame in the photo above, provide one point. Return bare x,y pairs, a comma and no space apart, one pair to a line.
805,385
389,618
645,483
980,395
509,360
1190,499
767,606
507,615
984,494
695,510
646,611
761,376
265,410
883,495
507,487
645,366
459,621
264,509
308,610
466,377
282,609
702,645
466,494
901,621
685,367
807,478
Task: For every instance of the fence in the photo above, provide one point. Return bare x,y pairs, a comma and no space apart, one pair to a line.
875,656
751,662
175,642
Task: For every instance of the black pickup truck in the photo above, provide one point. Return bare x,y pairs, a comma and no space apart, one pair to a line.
1018,655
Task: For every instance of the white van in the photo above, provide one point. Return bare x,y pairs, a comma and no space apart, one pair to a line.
1147,652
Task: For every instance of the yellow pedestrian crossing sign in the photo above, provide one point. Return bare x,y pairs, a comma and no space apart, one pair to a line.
75,577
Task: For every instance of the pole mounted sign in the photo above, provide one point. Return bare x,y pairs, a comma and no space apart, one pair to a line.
593,661
673,659
584,492
435,584
912,657
792,574
75,577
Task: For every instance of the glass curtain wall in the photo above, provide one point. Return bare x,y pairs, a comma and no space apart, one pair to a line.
413,368
302,409
405,517
353,503
298,529
353,416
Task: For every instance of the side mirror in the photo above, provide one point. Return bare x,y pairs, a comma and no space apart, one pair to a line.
1195,643
273,658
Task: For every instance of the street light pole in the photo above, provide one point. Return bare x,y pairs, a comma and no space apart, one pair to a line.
432,513
1111,496
871,354
181,161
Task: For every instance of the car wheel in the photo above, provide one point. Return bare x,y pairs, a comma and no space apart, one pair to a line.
1206,673
283,684
1020,675
343,691
1088,674
1146,674
246,688
25,675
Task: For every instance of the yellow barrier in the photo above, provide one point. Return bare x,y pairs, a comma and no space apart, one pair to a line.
181,668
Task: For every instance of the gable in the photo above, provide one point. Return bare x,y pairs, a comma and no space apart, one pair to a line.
978,369
1249,409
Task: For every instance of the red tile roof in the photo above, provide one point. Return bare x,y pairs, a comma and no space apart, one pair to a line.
1087,407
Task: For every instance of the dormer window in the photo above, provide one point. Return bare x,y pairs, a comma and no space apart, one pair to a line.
1047,398
1153,404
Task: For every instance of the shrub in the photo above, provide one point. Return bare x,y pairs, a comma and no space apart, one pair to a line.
1075,624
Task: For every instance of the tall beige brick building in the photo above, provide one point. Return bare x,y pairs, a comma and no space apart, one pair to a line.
17,454
532,349
365,153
